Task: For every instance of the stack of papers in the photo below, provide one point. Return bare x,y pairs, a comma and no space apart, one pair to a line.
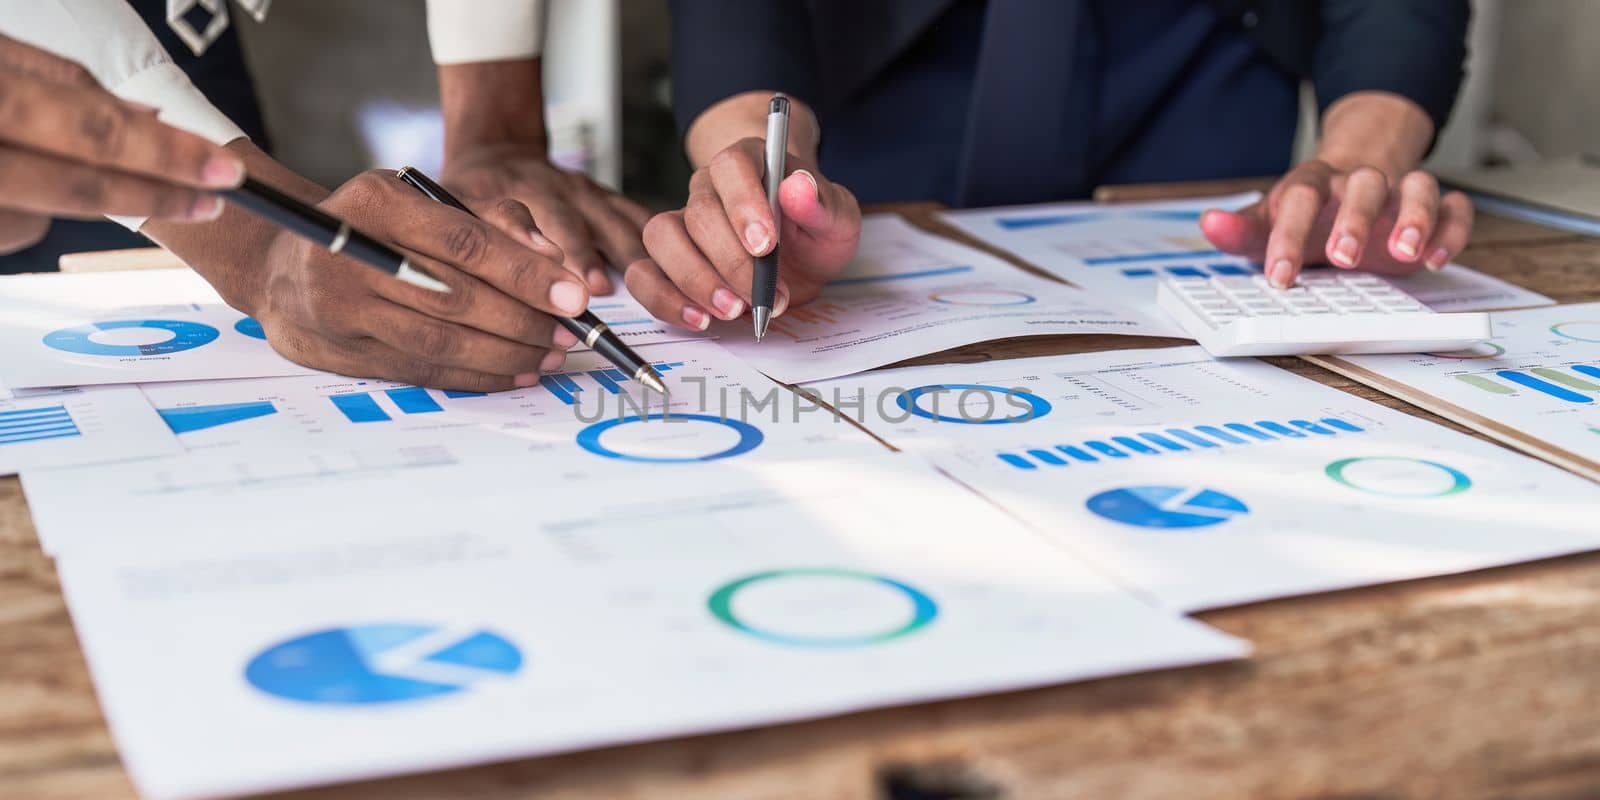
283,577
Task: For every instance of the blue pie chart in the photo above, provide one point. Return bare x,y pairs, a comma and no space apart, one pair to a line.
360,665
182,336
250,327
1167,506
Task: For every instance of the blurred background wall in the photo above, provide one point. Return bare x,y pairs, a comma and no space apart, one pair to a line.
349,84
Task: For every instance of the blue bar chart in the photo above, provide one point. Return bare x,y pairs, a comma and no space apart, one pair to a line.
360,407
36,424
564,386
188,419
1173,440
414,400
1570,384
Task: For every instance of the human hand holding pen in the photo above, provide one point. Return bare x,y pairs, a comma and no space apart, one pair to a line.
69,148
495,329
702,255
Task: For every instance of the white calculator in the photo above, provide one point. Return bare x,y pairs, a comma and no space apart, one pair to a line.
1329,312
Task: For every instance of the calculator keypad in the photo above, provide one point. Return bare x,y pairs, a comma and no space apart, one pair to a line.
1221,300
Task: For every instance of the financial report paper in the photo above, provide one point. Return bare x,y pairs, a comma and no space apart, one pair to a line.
1537,380
72,427
909,293
1120,251
126,327
557,626
272,453
1211,482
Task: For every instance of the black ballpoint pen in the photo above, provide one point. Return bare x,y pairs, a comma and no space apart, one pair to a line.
586,326
764,278
329,231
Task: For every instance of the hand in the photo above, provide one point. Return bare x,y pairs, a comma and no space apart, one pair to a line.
703,255
590,223
69,148
493,331
1361,221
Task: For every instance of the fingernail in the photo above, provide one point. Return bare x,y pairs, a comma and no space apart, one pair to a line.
552,361
781,304
1345,252
206,207
1438,259
525,380
223,172
1410,239
1281,270
727,303
568,297
695,318
599,282
757,239
811,179
565,338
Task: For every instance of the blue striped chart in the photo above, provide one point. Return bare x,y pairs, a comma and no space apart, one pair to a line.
1174,440
1549,381
564,386
363,407
36,424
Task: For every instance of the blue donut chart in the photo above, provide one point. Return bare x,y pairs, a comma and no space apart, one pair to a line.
750,437
250,327
185,336
1037,406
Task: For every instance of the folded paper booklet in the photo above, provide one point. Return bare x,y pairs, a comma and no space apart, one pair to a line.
910,293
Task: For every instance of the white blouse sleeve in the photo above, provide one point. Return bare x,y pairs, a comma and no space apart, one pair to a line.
463,31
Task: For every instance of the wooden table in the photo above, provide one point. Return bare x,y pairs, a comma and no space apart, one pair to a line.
1478,685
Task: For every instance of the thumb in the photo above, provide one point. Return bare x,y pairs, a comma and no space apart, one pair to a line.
1243,232
823,210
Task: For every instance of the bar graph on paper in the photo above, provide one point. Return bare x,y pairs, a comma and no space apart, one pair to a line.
1174,441
1577,383
566,386
37,424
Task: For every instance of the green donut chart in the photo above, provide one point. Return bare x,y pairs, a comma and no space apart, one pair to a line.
721,605
1398,477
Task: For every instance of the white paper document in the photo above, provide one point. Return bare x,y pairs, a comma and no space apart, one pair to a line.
270,454
126,327
1208,483
910,293
1120,251
69,427
1539,377
581,623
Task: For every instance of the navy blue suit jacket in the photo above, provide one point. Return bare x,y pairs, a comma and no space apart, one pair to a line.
1009,101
